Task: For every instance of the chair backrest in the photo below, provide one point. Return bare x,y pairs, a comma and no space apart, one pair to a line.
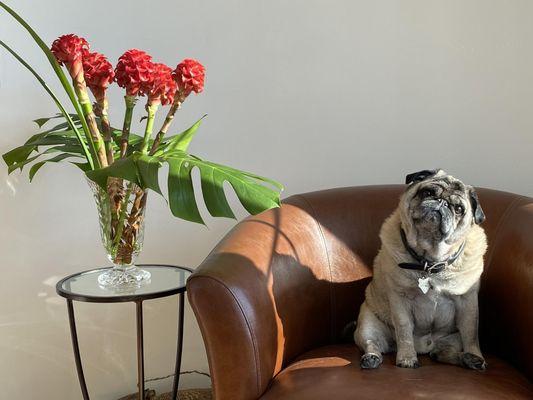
350,219
288,280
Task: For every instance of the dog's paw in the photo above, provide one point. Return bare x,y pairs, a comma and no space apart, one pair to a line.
472,361
370,361
407,362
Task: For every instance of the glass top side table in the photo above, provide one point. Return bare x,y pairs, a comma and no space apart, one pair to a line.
166,280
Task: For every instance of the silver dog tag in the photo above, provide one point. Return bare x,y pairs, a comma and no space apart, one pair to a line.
423,284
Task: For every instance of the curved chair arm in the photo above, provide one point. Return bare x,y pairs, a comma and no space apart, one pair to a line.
506,295
260,298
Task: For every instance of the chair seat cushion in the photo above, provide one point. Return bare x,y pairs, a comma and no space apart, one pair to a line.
333,373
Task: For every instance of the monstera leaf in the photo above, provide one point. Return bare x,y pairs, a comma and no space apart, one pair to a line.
253,191
256,193
60,143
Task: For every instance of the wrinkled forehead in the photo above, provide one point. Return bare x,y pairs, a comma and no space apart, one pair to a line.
445,185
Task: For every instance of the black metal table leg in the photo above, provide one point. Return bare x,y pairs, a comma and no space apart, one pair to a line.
140,349
179,347
172,280
76,348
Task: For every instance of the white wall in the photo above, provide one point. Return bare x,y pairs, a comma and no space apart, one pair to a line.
314,93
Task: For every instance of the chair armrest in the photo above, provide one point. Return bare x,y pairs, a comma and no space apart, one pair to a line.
506,295
261,298
231,341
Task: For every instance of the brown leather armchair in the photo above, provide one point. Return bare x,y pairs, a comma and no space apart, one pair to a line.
273,296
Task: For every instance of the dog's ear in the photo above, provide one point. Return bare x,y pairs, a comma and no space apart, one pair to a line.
420,176
477,211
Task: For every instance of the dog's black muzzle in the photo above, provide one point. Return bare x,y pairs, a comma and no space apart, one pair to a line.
437,213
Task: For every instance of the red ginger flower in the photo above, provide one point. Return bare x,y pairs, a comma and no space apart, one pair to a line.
190,76
69,48
134,71
162,86
98,73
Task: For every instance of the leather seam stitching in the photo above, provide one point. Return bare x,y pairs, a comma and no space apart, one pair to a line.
248,325
502,222
331,292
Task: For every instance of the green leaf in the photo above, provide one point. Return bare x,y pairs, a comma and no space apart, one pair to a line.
181,191
134,140
251,190
21,153
17,155
65,141
41,121
46,133
83,166
37,166
58,130
214,195
125,168
253,195
73,149
21,164
52,140
148,171
272,182
181,141
67,134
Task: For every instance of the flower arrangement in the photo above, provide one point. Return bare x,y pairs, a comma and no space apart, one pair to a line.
120,165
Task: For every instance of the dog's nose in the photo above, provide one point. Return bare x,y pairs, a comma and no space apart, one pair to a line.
443,202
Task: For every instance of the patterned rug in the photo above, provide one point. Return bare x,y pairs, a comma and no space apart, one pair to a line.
189,394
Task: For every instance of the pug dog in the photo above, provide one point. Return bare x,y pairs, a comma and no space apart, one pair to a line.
423,297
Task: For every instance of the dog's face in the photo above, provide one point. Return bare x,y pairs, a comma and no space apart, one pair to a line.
438,208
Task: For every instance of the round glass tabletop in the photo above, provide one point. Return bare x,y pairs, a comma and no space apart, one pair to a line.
165,280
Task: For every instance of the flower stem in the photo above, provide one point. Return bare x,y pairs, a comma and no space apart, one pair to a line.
151,108
100,109
166,124
130,105
121,218
90,118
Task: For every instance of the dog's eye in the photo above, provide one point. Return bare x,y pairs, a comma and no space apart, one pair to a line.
427,193
459,210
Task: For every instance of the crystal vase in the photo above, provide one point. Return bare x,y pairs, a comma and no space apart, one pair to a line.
121,210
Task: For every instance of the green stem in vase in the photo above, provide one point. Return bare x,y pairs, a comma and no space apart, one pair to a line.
121,218
151,108
101,110
166,124
130,105
90,118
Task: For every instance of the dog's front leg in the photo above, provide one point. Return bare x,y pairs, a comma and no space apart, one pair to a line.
403,328
467,323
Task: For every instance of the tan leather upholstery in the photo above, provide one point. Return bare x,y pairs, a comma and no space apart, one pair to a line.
281,286
332,372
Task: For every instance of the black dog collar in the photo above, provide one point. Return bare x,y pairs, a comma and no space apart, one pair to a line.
423,264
